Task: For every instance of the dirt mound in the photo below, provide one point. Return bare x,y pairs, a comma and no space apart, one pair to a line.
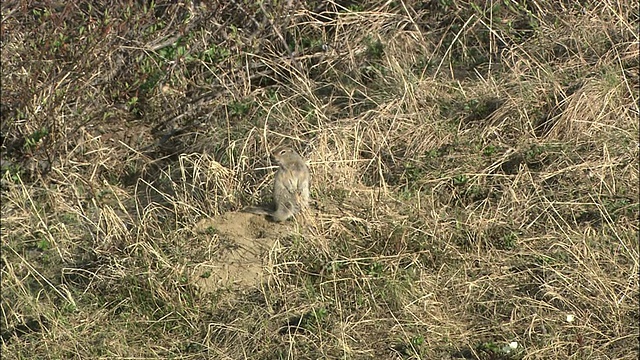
244,240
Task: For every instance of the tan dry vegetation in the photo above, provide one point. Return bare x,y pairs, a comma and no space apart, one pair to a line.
474,179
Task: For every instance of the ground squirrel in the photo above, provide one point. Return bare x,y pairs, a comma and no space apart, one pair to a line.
290,186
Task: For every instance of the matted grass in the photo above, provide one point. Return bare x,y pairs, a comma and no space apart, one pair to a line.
474,176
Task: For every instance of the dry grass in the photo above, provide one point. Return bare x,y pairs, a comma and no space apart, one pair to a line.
475,172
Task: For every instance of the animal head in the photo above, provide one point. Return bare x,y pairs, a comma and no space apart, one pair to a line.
285,156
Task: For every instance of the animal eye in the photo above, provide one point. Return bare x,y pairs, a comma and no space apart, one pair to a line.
282,152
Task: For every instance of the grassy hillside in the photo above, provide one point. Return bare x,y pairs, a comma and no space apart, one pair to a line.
474,179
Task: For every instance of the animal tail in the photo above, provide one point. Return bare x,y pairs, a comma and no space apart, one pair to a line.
258,210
